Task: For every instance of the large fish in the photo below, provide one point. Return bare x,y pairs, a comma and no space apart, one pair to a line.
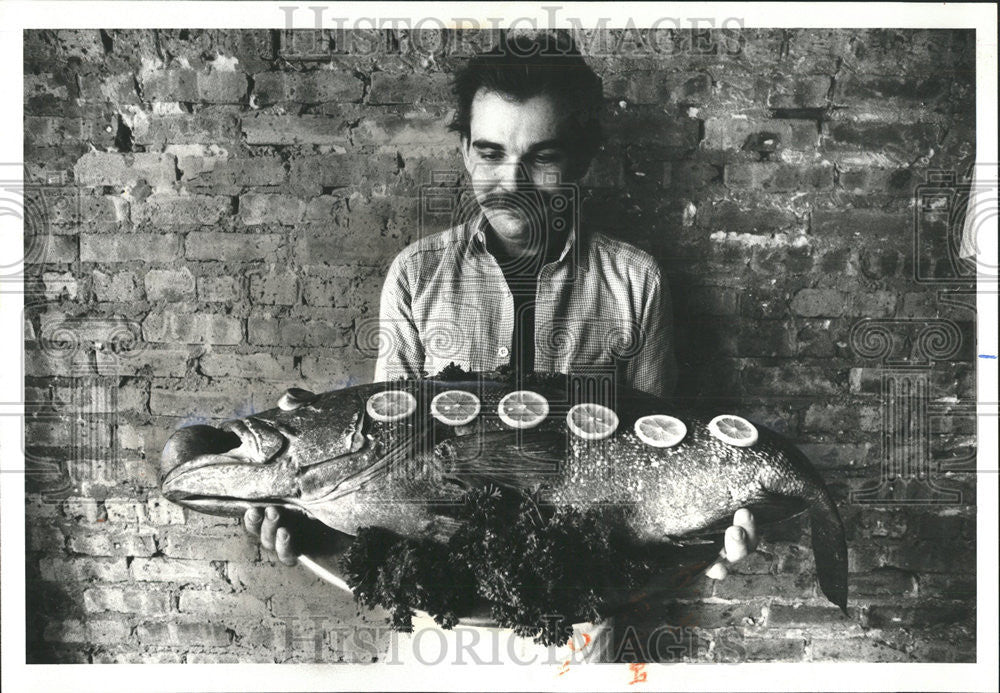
326,456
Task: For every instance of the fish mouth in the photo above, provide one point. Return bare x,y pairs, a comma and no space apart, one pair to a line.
232,467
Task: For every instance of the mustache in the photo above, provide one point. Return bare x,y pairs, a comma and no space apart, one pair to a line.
512,200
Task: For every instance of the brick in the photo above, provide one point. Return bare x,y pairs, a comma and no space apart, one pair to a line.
196,328
233,545
165,210
764,338
222,87
70,630
388,88
329,331
146,247
412,127
222,172
104,168
327,291
263,365
53,250
735,220
907,141
854,650
169,285
325,247
83,569
127,600
274,289
321,86
112,544
888,582
156,130
791,616
117,89
734,133
832,419
170,85
313,174
286,129
185,634
813,303
232,247
936,615
228,402
117,287
336,372
794,380
221,603
778,177
173,570
742,587
799,91
45,538
271,209
859,87
144,656
871,304
218,289
160,512
762,650
60,284
77,508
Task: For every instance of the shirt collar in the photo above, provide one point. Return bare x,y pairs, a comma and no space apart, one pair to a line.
573,250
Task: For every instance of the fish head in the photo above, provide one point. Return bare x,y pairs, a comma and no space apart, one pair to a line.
259,460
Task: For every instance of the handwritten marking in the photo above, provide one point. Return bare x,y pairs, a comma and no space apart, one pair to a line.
638,670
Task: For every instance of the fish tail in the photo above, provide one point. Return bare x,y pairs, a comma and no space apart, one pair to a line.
829,547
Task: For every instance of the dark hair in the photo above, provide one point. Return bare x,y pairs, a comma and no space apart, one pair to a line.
523,66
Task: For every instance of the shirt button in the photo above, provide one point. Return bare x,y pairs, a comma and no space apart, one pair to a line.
502,352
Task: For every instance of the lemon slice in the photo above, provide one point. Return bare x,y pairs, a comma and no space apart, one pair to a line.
592,421
523,409
391,405
660,430
734,430
455,407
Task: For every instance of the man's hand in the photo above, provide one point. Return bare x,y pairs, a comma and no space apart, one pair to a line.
741,541
268,525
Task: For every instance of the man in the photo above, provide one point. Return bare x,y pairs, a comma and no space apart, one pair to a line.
523,282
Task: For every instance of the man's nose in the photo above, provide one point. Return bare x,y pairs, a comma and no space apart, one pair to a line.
512,176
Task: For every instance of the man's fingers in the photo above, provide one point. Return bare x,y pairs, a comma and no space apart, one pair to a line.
718,570
737,546
283,546
744,518
251,521
269,527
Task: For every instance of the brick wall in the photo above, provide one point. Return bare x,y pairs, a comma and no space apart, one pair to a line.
210,214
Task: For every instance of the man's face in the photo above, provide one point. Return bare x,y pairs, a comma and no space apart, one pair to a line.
518,156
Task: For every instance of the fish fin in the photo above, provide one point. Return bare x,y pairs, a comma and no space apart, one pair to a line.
830,548
312,477
520,460
767,510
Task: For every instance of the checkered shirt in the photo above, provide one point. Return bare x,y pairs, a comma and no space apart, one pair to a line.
602,305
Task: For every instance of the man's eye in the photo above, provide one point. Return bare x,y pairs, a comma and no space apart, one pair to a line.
548,159
491,156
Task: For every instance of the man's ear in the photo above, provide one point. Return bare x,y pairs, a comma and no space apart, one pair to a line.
466,153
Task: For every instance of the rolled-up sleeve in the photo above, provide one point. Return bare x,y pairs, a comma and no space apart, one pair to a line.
400,351
653,369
